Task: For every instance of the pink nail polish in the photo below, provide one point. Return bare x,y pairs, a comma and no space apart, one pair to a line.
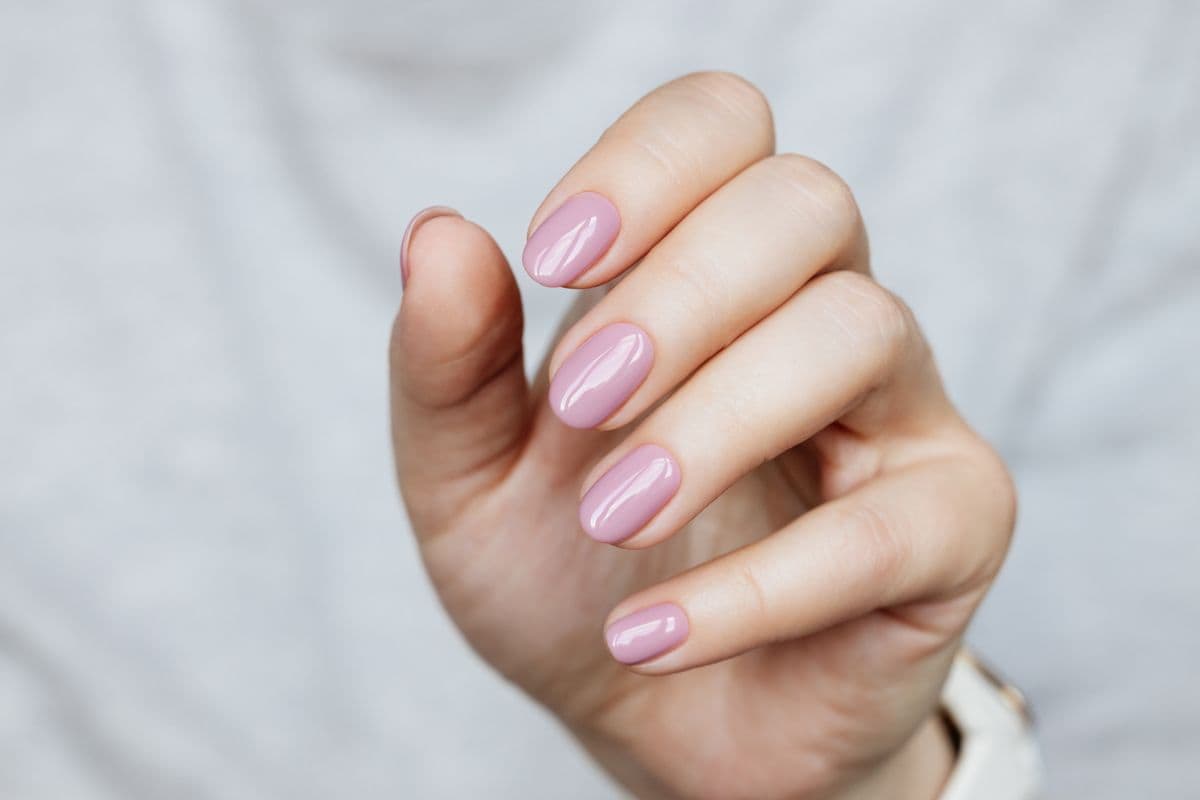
627,496
647,633
600,376
571,239
419,219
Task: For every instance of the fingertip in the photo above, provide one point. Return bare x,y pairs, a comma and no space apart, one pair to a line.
419,219
461,310
455,265
438,242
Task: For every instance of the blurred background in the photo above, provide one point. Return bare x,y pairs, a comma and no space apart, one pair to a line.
207,585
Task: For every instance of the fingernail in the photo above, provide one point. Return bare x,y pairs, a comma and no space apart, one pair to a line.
571,239
600,376
417,221
647,633
627,496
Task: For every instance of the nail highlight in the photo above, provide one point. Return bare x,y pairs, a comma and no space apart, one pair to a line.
600,376
419,219
629,494
647,633
571,239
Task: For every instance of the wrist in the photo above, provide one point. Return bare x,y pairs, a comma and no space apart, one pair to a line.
917,771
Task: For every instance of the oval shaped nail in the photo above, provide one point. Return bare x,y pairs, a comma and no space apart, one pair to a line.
629,494
646,634
600,376
571,239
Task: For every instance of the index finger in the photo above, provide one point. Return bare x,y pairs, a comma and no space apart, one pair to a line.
663,156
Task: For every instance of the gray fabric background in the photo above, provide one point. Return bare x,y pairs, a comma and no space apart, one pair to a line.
207,588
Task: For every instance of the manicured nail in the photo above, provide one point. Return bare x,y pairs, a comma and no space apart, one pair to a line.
417,221
571,239
627,496
647,633
600,376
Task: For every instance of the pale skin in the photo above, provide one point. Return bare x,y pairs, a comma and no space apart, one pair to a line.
837,522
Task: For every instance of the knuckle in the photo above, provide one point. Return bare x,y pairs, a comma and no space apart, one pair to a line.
661,154
731,93
1004,488
679,129
872,317
978,530
755,592
999,503
817,191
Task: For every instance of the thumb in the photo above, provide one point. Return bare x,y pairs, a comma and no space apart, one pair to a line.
460,401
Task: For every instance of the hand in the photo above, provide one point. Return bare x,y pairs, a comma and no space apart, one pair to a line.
798,520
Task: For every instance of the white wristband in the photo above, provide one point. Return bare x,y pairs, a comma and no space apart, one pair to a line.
998,756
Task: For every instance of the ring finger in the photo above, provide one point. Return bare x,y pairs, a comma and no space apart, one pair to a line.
843,348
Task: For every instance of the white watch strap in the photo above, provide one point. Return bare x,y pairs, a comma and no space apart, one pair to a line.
998,757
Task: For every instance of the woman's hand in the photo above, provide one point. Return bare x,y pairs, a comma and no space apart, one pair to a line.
790,526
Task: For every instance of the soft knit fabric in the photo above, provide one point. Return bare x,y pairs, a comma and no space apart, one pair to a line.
207,585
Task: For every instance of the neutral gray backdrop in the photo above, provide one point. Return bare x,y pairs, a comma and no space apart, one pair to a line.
207,587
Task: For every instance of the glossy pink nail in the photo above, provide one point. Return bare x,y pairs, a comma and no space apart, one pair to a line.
571,239
647,633
419,219
627,496
600,376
